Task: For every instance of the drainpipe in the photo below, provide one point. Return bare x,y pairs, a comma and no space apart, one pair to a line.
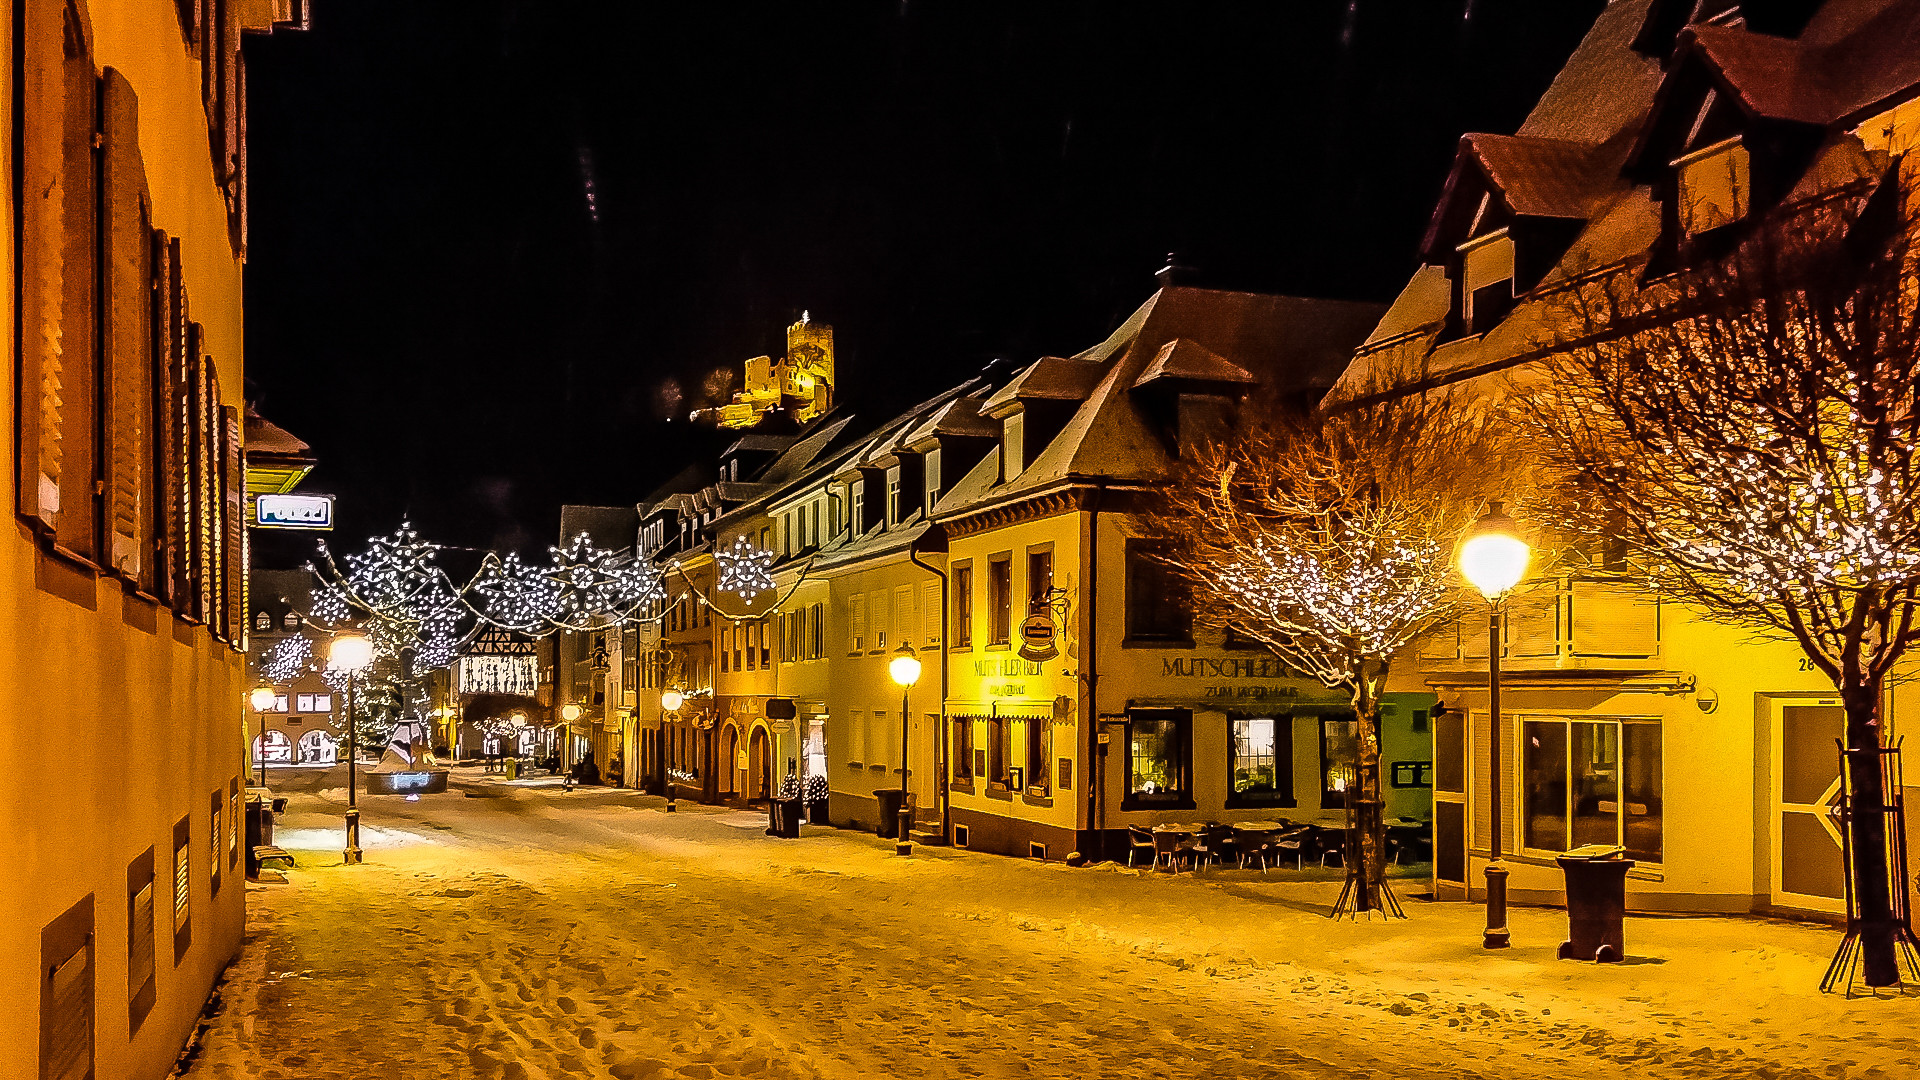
1090,668
940,732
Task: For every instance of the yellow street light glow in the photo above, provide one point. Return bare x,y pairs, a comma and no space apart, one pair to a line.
671,700
1493,557
350,653
905,667
570,712
262,698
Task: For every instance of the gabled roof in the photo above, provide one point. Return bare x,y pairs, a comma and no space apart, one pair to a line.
1183,359
960,418
1850,62
1050,378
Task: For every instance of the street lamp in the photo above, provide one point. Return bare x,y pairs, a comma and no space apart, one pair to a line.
905,669
1493,559
670,702
262,700
351,654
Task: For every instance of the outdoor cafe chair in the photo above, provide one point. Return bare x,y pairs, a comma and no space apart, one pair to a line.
1139,841
1169,845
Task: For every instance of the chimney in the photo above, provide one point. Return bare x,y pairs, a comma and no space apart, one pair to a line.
1173,274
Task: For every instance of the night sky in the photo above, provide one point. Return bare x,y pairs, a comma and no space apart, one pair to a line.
489,239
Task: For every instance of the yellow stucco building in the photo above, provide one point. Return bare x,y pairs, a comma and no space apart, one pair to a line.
122,580
1708,755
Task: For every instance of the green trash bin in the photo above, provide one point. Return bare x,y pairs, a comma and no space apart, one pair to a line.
513,768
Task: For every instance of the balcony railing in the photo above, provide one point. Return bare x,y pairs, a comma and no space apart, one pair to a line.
1565,624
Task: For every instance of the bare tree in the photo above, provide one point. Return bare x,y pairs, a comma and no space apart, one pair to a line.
1330,539
1746,429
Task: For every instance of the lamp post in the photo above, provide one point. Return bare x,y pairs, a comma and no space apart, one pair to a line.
351,654
670,702
1493,559
905,669
569,712
262,700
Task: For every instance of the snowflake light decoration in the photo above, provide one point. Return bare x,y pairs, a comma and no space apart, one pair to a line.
515,596
287,660
745,570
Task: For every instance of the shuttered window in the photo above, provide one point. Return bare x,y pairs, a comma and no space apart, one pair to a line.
182,889
879,611
57,384
66,994
141,962
857,616
127,326
904,626
1487,286
930,612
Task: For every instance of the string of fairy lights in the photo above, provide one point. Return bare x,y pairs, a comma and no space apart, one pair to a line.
400,595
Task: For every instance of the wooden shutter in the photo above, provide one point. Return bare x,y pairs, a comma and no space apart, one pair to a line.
165,486
1510,792
857,613
173,408
930,613
903,622
54,481
128,327
197,443
234,547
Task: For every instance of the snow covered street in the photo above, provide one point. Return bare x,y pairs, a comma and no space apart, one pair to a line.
540,933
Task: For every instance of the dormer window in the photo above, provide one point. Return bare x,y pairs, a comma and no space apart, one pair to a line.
290,621
1486,274
1715,183
263,621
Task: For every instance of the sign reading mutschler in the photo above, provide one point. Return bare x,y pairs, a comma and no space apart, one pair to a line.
293,511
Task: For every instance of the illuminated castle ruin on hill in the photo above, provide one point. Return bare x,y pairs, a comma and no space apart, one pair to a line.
801,385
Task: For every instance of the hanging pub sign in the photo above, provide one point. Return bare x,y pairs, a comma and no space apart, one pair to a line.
273,511
1039,639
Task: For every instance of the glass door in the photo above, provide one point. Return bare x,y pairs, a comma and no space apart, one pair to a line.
1808,868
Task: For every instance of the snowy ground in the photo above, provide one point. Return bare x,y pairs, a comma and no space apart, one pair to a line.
541,933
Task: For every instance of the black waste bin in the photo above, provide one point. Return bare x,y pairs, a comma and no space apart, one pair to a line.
1596,904
890,802
783,818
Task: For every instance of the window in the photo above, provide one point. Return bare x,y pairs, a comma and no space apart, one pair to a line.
1339,758
857,616
930,613
263,621
766,650
735,634
894,507
280,703
1260,761
817,747
1039,580
1156,599
66,995
819,646
182,889
216,839
903,617
233,822
1591,782
313,703
960,749
963,607
877,611
1000,600
1039,756
1714,185
290,621
751,633
1159,748
786,533
997,750
1486,276
140,939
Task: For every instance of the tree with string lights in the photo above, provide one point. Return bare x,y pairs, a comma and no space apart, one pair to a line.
1330,540
1746,431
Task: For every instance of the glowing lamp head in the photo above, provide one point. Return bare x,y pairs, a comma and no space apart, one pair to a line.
905,667
518,719
570,712
350,653
671,700
1493,557
262,698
